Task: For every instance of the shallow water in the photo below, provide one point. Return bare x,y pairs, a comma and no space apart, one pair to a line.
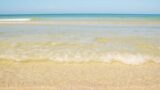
131,40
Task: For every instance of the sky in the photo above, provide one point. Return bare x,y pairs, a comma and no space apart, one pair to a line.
79,6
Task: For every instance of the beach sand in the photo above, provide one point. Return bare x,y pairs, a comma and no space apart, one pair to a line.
49,75
57,52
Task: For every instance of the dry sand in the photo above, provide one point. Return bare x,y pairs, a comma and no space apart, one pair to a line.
49,75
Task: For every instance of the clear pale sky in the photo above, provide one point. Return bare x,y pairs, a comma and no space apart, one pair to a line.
80,6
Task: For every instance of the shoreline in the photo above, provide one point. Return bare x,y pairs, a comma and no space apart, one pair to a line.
79,54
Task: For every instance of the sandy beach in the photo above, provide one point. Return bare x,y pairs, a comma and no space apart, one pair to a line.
97,52
48,75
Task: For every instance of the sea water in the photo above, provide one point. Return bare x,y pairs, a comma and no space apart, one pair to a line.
130,39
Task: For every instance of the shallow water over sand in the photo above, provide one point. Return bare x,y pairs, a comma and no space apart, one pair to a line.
130,41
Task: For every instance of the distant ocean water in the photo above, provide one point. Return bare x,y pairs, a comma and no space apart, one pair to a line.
130,39
82,16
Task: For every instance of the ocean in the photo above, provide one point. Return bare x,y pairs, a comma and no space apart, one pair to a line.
126,38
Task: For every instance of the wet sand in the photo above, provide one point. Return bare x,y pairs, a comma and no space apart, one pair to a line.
49,75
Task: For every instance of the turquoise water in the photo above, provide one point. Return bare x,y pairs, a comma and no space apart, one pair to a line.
130,39
83,16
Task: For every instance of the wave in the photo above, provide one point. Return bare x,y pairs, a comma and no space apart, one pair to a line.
48,21
15,20
77,57
76,52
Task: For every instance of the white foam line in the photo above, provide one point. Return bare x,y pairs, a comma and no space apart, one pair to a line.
15,20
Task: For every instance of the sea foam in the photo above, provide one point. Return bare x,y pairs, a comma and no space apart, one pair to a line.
77,56
15,20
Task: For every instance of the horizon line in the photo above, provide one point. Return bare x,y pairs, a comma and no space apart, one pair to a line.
81,13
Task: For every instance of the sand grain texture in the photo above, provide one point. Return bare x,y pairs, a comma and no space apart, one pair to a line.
78,76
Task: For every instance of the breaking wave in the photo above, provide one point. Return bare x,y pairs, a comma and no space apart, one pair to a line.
16,20
78,56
